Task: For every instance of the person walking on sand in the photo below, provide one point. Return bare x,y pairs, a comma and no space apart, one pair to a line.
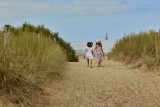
98,52
89,54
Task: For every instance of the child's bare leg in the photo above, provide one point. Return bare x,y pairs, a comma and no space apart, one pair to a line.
91,63
87,62
98,63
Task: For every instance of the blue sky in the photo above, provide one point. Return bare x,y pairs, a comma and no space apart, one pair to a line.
84,20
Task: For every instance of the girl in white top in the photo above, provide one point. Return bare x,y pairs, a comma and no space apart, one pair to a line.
89,54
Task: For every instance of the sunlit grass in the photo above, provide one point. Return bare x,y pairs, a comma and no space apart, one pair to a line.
29,62
136,47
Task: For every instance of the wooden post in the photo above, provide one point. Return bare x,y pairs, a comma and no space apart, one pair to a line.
157,44
6,37
106,38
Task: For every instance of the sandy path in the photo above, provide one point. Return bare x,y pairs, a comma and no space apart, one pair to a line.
112,85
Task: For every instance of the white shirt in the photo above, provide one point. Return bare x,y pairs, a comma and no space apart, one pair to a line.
89,54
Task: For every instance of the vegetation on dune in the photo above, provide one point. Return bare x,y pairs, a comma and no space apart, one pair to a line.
32,58
69,51
29,62
136,48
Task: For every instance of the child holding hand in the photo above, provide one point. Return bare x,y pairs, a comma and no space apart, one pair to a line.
89,54
98,52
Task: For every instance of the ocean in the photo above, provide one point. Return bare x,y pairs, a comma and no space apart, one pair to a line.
81,45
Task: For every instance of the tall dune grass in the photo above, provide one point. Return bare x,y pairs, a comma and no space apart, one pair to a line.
70,52
29,62
136,48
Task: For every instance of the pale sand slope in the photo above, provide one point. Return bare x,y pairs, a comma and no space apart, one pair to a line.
113,85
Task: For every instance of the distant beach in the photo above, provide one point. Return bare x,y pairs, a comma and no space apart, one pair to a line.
79,46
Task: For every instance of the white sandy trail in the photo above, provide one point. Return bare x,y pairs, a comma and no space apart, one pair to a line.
113,85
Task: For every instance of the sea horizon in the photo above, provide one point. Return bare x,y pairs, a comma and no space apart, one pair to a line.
80,46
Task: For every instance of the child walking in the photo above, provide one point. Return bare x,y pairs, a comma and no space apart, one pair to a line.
98,52
89,54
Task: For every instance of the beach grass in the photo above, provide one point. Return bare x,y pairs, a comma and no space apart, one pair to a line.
28,62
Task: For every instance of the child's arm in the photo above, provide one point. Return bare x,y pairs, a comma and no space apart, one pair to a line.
85,54
95,48
102,51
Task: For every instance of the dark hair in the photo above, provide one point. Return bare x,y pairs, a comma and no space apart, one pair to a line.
89,44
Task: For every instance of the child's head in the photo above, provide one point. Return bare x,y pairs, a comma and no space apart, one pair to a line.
89,44
98,42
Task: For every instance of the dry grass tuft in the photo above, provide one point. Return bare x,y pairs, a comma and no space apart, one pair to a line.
23,69
137,48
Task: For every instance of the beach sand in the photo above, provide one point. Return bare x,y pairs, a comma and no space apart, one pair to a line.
111,85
